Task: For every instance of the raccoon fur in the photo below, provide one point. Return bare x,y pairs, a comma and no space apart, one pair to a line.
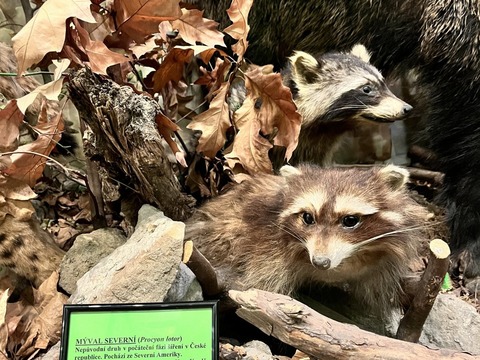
310,227
335,93
439,39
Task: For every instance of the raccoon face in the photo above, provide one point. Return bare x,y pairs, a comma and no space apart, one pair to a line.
344,228
342,86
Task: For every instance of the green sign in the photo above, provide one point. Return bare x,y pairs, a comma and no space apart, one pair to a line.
184,331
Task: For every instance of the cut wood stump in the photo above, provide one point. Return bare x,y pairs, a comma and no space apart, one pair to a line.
411,325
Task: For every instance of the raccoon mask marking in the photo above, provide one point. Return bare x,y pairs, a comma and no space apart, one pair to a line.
334,92
341,86
313,226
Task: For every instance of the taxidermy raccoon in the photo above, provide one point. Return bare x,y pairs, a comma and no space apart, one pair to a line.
334,93
312,226
437,38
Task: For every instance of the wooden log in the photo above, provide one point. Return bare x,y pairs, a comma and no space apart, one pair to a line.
316,335
411,325
127,142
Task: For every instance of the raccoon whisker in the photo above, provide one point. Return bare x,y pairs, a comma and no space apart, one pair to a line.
289,232
411,228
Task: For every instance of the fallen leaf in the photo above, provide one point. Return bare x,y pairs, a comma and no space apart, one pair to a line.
142,49
193,28
45,32
99,56
213,123
41,323
10,120
249,146
138,19
205,52
30,166
274,107
171,68
15,189
238,14
50,90
213,79
166,128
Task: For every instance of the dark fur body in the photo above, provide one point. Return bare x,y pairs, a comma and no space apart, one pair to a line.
256,234
438,38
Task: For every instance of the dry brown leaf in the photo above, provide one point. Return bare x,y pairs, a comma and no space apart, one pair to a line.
213,79
30,166
10,120
193,28
15,189
166,127
45,32
249,146
171,68
205,52
238,14
138,19
103,27
213,124
142,49
274,107
50,90
41,323
99,56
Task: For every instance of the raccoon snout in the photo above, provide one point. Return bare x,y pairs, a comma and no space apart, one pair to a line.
322,262
406,109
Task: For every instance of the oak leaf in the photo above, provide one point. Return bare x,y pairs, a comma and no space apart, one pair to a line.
99,56
249,146
140,18
171,68
213,79
10,120
46,31
213,124
29,165
50,90
205,52
274,107
238,14
40,323
193,27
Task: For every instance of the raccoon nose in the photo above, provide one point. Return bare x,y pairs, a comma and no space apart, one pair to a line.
321,262
406,109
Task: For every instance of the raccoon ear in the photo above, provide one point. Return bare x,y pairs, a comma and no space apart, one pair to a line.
304,67
361,51
288,170
394,176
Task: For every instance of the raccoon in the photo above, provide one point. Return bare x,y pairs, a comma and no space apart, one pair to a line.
439,39
335,93
341,227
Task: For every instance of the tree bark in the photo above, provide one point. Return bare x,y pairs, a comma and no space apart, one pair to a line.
411,325
316,335
127,142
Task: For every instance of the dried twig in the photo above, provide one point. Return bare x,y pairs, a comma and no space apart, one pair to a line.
203,270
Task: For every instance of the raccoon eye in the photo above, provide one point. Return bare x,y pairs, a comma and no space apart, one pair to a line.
350,221
308,218
367,89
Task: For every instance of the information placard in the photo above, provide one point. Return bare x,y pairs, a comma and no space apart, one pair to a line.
140,331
